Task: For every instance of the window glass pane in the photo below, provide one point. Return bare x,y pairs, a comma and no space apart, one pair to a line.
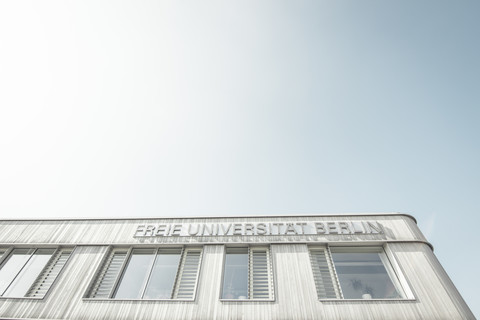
235,275
362,275
136,274
29,273
12,267
164,271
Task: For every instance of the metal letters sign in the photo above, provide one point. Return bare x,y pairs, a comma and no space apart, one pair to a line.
258,229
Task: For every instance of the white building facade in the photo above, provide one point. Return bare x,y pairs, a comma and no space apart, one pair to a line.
368,266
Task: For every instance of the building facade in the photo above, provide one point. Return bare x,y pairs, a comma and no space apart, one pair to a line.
366,266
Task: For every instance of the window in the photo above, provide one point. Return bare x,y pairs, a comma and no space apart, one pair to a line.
247,274
354,273
148,273
31,272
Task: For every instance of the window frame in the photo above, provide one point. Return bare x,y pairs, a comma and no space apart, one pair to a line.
6,252
399,273
271,276
88,296
57,251
389,262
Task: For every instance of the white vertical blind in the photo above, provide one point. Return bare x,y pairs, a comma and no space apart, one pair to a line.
260,274
45,280
188,274
324,274
109,274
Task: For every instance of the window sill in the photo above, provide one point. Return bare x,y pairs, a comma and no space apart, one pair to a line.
247,300
24,298
137,300
367,300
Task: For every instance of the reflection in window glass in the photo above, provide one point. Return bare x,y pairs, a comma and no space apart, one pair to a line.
362,275
29,273
161,282
235,277
136,274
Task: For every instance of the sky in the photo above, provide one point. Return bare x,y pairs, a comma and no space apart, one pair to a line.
191,108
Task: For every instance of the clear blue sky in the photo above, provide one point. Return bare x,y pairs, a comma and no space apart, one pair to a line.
155,108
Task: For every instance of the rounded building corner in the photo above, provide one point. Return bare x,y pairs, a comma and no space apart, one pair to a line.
406,215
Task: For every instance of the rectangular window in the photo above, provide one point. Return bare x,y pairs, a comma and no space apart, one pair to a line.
247,274
148,273
31,272
354,273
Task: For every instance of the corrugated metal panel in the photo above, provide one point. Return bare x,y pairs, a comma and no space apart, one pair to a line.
188,274
45,280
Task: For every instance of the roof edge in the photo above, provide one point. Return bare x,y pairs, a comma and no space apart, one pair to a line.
219,217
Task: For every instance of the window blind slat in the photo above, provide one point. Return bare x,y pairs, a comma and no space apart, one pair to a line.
323,274
44,281
107,277
187,274
261,284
